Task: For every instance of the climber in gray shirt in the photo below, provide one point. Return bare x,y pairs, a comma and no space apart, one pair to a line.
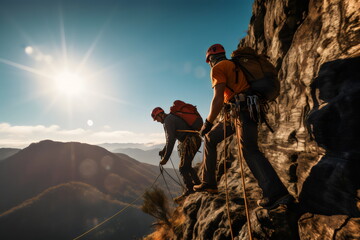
189,144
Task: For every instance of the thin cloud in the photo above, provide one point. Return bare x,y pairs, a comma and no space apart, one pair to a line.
198,71
22,136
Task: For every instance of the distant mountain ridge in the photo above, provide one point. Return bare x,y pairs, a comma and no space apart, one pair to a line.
151,156
148,156
143,146
7,152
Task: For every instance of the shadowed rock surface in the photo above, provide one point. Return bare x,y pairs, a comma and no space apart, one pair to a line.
315,46
332,185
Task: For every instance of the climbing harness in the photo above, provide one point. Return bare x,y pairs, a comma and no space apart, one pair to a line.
226,182
257,107
119,212
253,105
235,108
188,146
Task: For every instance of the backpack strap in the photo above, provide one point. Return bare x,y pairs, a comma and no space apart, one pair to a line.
181,119
238,65
236,73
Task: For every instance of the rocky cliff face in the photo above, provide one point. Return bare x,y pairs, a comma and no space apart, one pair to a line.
315,45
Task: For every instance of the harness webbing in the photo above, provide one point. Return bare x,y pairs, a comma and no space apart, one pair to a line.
188,146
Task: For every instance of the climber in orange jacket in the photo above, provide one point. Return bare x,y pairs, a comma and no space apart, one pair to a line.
223,78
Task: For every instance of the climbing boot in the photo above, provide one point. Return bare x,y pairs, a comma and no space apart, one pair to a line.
269,204
204,187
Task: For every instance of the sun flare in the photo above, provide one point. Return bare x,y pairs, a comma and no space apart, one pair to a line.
70,84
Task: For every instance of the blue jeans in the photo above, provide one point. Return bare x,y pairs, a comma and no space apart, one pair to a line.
261,168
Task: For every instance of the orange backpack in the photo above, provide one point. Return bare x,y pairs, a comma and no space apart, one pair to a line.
188,113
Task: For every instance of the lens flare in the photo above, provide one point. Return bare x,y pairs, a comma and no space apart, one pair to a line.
90,122
107,162
88,168
29,50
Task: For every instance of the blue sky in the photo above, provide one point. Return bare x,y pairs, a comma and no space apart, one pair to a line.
92,71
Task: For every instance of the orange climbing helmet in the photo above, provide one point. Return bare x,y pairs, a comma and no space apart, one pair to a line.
156,112
214,49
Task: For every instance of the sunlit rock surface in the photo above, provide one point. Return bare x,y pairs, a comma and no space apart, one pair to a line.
312,226
315,150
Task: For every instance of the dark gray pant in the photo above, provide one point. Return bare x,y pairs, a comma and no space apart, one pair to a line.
186,170
261,168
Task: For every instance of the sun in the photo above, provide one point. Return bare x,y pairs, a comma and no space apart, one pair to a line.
66,79
69,83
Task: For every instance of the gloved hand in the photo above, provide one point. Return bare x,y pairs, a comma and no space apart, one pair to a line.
205,128
161,153
163,161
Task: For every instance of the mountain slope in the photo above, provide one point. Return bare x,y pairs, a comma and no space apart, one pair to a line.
146,156
48,163
68,210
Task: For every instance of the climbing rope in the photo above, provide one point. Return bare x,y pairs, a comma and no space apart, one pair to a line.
176,174
188,131
226,182
119,212
177,182
167,186
241,157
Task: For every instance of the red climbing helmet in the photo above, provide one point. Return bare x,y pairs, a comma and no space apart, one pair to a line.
214,49
156,112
